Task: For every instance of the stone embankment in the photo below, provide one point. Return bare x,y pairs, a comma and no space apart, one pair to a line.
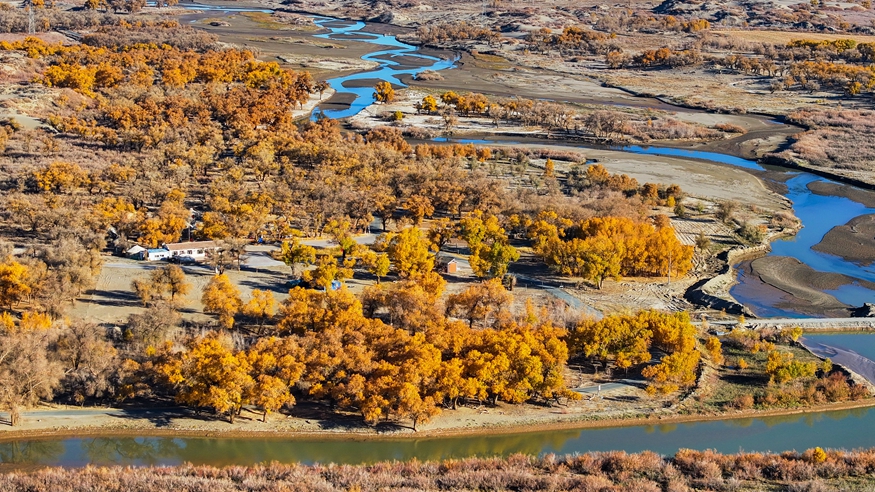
714,292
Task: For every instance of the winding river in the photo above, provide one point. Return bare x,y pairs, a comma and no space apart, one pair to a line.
389,69
836,429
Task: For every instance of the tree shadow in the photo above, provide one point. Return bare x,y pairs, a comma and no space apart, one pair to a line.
117,298
328,419
745,379
162,417
277,288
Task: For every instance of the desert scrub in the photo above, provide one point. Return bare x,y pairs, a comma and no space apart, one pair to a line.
612,471
745,381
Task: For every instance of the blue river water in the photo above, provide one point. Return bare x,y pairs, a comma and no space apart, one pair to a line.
819,214
388,69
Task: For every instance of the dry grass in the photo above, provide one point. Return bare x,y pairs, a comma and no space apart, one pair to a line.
784,37
613,471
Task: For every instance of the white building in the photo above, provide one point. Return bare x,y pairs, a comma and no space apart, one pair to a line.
196,249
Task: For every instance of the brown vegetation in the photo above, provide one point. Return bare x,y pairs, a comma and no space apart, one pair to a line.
812,470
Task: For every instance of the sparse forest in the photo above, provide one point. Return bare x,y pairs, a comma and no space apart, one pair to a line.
152,141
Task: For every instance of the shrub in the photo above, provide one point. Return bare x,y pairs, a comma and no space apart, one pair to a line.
742,402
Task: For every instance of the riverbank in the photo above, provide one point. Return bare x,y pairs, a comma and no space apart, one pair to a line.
221,429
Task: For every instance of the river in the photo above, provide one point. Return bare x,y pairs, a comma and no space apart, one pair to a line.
389,69
846,429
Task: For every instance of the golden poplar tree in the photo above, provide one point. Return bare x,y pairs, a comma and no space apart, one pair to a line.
221,297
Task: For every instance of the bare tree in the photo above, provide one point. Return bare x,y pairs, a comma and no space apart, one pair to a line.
27,375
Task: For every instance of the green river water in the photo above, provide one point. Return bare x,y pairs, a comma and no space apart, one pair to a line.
837,429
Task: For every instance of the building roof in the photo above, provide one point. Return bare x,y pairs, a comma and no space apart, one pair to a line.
442,259
135,249
190,245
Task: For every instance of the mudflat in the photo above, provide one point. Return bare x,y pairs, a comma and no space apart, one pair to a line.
802,285
859,195
854,241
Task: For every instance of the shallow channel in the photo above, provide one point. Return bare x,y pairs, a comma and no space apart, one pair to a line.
388,70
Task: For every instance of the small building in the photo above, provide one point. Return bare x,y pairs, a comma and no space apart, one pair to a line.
154,254
446,264
196,250
135,251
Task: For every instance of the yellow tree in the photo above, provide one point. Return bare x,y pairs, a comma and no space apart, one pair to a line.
480,302
13,283
419,206
442,230
624,338
714,350
384,93
161,283
428,104
409,252
327,271
61,177
308,310
221,297
673,372
210,374
378,264
412,405
275,366
294,253
781,367
261,306
270,393
491,252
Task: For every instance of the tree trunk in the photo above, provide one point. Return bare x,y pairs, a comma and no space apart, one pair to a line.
264,417
231,416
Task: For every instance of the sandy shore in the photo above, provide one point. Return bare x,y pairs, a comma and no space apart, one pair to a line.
803,286
859,195
854,241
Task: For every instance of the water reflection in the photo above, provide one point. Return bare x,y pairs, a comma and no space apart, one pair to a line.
31,452
130,450
847,429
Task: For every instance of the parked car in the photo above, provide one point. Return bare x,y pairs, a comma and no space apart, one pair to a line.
182,260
